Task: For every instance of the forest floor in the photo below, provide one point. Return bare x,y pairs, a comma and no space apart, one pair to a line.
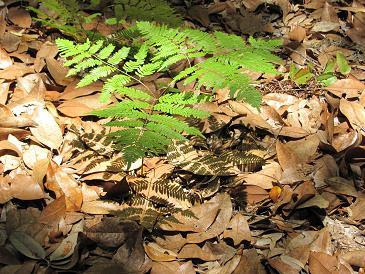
302,211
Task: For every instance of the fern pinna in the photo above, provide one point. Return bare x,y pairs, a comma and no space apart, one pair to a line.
149,121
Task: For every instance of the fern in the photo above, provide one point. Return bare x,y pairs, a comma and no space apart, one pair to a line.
148,122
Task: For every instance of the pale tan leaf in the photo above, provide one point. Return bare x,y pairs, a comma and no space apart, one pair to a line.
48,131
24,187
5,60
5,190
34,154
350,87
16,70
354,112
196,252
159,254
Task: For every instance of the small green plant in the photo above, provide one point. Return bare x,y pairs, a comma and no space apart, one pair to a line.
301,76
149,121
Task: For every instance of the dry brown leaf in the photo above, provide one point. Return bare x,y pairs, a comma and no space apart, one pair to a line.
172,242
172,267
255,194
34,154
304,149
200,13
355,258
351,88
264,178
159,254
220,223
20,17
354,112
325,167
61,184
24,187
54,211
193,251
81,106
250,263
58,71
320,262
357,208
72,92
48,131
339,185
238,229
100,207
16,70
290,163
5,191
283,267
5,60
205,213
228,268
298,33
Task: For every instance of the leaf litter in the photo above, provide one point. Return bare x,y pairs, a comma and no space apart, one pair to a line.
63,190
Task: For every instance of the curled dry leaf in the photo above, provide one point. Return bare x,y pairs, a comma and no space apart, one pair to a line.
62,183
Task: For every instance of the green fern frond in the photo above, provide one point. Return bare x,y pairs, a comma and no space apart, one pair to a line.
147,120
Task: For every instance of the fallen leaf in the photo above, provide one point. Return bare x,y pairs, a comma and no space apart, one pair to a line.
24,187
159,254
195,252
220,223
205,214
20,17
238,229
354,112
48,131
5,60
355,257
351,88
61,184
